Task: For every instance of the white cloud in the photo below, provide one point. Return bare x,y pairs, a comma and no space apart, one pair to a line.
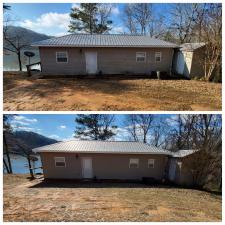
62,127
115,10
117,30
22,120
54,136
51,20
76,5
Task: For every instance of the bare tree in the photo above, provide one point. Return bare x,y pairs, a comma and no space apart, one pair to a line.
138,17
6,130
212,36
184,17
14,42
202,133
129,20
139,126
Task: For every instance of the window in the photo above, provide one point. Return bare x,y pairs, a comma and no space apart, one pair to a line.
158,56
151,163
134,163
60,162
61,57
140,56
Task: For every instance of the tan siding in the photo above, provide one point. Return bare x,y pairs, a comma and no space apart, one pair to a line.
105,166
110,60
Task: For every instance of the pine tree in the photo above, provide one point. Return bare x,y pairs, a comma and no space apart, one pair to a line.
90,18
95,126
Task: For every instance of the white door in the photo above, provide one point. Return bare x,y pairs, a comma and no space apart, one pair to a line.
87,168
91,62
180,63
172,169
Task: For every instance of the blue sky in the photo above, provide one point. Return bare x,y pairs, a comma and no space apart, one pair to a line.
62,126
53,18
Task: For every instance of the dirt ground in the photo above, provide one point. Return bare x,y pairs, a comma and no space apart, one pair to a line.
26,200
29,94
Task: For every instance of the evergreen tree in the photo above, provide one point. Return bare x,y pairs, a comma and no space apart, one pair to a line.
90,18
95,126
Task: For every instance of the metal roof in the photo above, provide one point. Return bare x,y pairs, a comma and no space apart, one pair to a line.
183,153
120,147
191,46
104,40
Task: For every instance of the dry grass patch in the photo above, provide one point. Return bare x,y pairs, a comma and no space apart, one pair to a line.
26,200
22,93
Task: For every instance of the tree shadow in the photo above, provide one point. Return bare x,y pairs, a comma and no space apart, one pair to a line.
78,183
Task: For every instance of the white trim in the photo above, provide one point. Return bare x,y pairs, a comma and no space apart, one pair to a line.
56,58
60,159
137,162
151,162
140,57
159,55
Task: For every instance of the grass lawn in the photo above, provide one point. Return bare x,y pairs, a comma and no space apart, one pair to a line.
29,94
35,200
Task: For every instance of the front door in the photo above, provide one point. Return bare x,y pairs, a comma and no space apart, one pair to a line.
172,169
87,168
91,62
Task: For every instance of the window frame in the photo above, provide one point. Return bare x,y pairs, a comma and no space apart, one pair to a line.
57,158
151,160
56,56
133,163
140,57
156,55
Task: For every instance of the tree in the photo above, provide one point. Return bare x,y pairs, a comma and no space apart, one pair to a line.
95,126
6,7
139,126
202,133
184,17
211,35
138,17
6,130
129,21
14,41
90,18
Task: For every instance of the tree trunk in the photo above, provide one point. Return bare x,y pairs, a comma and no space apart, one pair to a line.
7,154
6,166
19,60
30,169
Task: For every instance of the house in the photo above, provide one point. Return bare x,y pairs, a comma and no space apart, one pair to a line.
120,160
81,54
189,59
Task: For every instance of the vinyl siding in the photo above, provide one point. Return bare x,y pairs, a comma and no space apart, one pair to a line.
110,60
105,166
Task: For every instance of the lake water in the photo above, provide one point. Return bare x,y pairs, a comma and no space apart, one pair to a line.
20,164
10,61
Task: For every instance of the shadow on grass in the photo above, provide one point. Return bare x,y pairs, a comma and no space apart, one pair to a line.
77,183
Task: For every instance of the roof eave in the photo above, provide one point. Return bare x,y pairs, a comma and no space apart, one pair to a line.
102,46
100,152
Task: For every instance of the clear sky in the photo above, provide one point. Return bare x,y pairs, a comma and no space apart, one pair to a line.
62,126
53,18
